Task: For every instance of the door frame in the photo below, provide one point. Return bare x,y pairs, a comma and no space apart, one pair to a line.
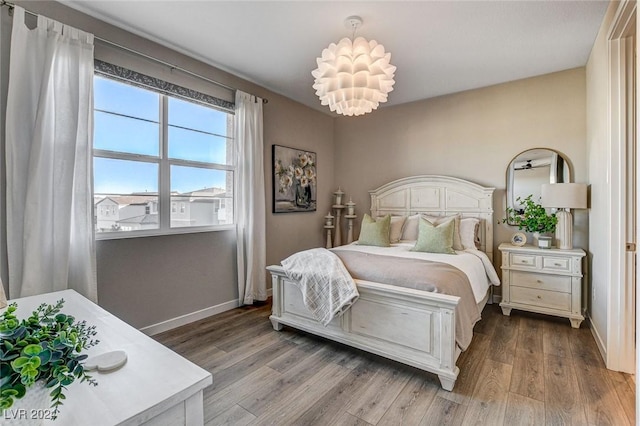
620,347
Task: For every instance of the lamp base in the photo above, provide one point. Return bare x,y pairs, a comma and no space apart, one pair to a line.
564,230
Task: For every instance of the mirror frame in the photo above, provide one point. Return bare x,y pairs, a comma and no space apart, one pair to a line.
552,178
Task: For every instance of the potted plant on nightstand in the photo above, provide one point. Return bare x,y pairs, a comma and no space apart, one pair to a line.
42,353
533,218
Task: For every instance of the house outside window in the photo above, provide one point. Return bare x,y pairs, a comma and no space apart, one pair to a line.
153,152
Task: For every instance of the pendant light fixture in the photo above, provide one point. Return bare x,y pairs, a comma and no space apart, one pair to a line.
354,76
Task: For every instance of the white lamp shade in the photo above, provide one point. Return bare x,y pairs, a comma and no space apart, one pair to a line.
354,77
564,195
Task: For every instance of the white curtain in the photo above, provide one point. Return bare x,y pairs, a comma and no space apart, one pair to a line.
250,199
49,131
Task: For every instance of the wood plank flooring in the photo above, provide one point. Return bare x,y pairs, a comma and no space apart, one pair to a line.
526,369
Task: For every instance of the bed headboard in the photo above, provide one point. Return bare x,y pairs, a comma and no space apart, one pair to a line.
438,196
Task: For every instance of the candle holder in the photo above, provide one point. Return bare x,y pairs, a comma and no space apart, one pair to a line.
328,219
351,207
350,216
328,225
337,239
339,193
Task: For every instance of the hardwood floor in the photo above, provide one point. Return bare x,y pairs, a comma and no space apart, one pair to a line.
525,369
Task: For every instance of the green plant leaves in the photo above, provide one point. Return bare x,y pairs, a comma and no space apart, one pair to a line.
31,350
19,363
533,219
45,346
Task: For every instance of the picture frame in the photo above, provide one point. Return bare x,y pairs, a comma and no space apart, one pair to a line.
294,180
518,239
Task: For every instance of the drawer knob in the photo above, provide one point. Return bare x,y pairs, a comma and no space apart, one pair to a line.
539,281
558,264
523,261
539,297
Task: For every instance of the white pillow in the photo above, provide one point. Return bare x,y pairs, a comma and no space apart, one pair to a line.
397,223
439,220
410,228
469,232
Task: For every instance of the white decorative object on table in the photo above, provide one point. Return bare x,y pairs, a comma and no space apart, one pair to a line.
564,196
107,361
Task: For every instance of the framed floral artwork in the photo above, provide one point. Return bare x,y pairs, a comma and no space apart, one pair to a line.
294,180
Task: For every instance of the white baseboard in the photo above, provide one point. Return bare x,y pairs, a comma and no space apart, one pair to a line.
170,324
188,318
597,338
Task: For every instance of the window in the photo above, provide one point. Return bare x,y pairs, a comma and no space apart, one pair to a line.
161,164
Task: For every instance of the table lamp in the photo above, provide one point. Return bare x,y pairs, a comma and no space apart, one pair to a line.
564,196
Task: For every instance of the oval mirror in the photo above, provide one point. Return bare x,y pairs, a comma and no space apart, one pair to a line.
529,170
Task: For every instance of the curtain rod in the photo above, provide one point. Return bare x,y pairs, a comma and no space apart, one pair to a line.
144,55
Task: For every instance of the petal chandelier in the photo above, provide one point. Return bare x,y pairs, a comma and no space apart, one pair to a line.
353,77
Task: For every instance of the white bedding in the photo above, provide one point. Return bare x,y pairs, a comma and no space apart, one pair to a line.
474,263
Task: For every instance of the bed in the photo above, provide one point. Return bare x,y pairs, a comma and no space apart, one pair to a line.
408,325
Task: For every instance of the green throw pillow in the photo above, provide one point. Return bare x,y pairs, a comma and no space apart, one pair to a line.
375,232
435,239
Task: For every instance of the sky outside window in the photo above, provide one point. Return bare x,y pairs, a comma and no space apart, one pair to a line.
127,121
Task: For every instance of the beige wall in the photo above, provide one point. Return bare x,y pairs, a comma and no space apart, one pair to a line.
145,281
471,135
290,124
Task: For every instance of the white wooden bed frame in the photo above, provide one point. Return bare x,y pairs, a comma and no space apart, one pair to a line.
410,326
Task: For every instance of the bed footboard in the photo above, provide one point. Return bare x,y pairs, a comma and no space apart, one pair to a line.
410,326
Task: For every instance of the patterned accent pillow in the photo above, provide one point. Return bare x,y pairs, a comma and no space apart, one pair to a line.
437,220
375,232
435,238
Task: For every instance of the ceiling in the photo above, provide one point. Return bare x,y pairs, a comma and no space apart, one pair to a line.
438,47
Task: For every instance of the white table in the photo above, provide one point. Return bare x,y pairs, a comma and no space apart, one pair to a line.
156,385
547,281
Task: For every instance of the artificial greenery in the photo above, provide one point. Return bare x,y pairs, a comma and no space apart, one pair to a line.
533,218
45,347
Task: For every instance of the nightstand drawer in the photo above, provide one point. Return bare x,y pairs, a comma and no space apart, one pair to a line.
523,260
541,281
556,263
542,298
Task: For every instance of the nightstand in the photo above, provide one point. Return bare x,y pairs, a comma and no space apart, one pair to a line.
547,281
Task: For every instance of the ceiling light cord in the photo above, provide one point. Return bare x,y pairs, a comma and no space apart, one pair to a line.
353,23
